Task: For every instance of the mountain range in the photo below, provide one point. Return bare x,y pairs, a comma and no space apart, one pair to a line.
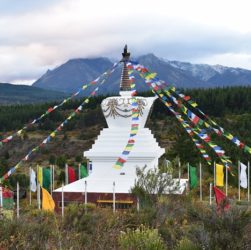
71,75
20,94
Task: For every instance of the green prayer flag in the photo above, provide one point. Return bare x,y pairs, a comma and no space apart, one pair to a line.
193,177
46,178
83,171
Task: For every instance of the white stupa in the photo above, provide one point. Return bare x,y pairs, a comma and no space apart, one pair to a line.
112,141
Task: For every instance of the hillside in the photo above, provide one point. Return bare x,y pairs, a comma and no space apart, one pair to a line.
21,94
71,75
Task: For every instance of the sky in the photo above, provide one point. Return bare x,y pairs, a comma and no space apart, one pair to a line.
39,35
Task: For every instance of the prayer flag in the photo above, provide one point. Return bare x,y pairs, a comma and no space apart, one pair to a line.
46,178
40,176
193,177
71,175
83,171
47,201
219,175
33,184
221,198
243,176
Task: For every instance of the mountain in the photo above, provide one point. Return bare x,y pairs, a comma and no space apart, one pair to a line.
73,74
20,94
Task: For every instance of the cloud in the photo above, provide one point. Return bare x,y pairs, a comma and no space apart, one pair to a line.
37,35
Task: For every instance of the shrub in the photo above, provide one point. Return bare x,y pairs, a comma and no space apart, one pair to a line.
141,239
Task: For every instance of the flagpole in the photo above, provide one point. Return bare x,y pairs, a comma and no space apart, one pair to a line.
248,181
114,198
51,178
18,200
62,201
200,183
85,197
30,185
39,196
188,175
214,175
79,175
226,180
66,174
1,197
239,188
210,193
38,190
179,171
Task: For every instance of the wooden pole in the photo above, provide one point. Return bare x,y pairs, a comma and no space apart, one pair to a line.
239,187
1,197
18,200
200,182
226,181
114,198
39,196
86,197
248,181
214,174
79,172
51,178
188,174
179,170
210,194
66,174
62,201
30,186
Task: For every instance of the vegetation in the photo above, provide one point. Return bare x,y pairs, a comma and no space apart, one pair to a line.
174,222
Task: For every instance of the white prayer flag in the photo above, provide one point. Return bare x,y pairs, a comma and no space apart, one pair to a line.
243,176
33,185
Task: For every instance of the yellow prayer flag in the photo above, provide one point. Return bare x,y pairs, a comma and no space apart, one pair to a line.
40,176
219,175
47,201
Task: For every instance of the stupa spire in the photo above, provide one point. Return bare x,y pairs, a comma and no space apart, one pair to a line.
125,82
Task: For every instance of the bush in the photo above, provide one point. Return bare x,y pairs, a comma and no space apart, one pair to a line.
141,239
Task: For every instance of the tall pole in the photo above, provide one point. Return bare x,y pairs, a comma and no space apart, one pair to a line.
200,182
179,170
114,198
188,174
51,178
239,187
214,174
1,197
66,174
248,181
226,180
62,201
210,194
39,196
85,197
30,186
18,200
79,173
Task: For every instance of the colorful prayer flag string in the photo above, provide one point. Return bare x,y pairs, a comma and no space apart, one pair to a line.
52,109
157,87
134,126
58,129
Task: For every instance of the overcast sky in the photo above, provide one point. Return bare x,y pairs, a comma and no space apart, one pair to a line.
36,35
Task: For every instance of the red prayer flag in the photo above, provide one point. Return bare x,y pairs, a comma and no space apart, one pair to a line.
71,174
220,198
